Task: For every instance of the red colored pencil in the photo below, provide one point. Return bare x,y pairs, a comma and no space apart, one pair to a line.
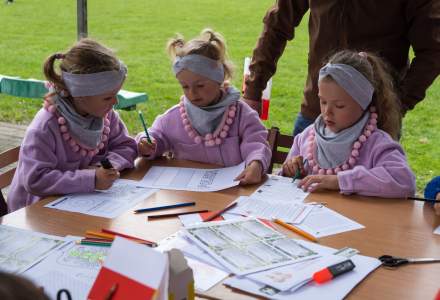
128,236
220,212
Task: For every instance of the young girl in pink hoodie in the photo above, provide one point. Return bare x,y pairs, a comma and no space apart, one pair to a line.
209,124
350,146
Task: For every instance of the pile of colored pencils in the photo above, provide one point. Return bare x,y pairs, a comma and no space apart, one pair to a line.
106,237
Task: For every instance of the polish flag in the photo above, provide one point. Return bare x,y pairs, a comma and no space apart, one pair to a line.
132,271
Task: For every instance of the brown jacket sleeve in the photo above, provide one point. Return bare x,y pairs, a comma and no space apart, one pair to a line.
424,36
279,24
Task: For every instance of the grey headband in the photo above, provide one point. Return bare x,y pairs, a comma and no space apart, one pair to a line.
201,65
351,80
81,85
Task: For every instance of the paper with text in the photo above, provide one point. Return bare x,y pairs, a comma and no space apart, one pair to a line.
323,221
268,208
123,195
192,179
281,189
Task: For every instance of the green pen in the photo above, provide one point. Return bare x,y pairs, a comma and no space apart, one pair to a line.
145,127
298,173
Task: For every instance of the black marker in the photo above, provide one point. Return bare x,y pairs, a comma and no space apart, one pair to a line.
106,164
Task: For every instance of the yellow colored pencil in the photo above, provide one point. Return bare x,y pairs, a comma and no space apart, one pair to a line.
296,230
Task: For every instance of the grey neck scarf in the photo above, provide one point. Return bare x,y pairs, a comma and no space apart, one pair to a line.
333,149
86,130
206,119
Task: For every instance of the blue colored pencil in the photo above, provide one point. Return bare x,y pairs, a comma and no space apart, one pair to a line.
142,210
145,127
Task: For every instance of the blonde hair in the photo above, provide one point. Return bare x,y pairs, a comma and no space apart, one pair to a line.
84,57
209,43
385,97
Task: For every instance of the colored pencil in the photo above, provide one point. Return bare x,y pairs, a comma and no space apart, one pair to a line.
127,236
100,234
423,199
145,127
154,217
107,236
184,204
102,244
296,230
220,212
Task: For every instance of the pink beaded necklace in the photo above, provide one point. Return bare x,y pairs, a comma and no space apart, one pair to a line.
351,161
210,139
70,140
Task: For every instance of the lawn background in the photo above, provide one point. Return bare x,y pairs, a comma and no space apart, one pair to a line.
138,30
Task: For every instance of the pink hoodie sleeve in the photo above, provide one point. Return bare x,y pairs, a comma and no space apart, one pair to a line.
388,174
38,168
253,135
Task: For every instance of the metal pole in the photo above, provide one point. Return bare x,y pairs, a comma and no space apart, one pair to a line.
82,18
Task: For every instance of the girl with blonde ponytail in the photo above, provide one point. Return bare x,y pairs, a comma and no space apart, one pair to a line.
352,145
209,124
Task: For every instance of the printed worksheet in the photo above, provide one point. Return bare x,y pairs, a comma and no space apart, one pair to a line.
20,249
323,221
123,195
281,189
268,208
73,267
192,179
247,246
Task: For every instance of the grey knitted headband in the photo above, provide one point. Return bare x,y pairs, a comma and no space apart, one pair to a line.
351,80
201,65
80,85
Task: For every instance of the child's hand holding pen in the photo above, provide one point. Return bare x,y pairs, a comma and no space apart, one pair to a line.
105,175
146,148
294,167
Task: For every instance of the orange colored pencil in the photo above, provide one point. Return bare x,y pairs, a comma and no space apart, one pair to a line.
296,230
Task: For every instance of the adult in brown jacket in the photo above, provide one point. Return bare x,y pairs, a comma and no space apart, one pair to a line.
388,28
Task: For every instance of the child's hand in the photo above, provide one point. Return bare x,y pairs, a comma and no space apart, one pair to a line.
314,183
292,165
145,148
104,178
252,174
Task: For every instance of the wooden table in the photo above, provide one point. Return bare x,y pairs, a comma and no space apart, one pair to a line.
397,227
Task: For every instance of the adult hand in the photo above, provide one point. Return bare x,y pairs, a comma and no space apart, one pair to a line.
252,174
104,178
314,183
145,148
254,104
291,165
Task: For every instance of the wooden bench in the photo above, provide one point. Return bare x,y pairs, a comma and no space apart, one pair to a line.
34,88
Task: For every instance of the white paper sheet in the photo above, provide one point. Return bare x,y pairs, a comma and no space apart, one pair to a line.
335,289
20,249
72,267
269,208
247,246
110,203
192,179
323,221
281,189
437,230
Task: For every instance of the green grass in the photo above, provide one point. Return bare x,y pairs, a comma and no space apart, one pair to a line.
138,31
